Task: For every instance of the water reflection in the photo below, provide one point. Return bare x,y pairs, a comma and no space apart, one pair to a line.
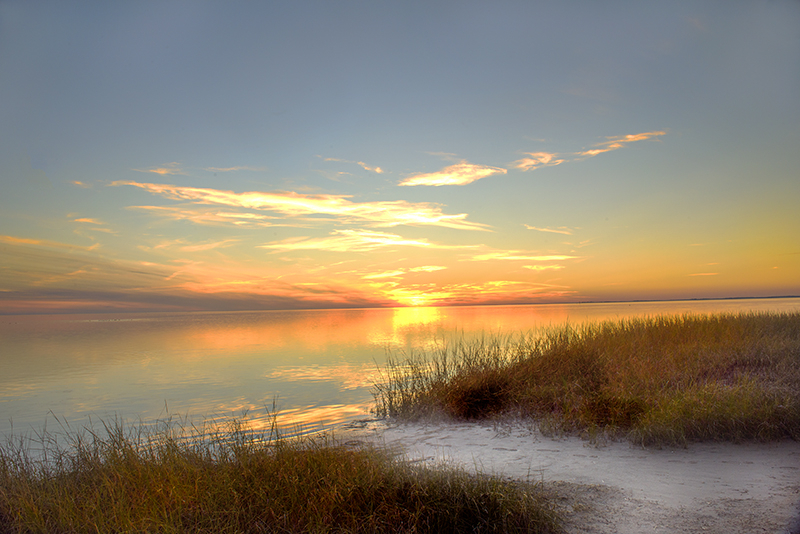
346,375
320,365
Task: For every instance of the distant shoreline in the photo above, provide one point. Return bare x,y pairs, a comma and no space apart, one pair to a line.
487,305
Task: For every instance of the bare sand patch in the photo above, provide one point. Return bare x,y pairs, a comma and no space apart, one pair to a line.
616,487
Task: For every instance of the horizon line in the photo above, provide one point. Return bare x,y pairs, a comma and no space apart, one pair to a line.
548,303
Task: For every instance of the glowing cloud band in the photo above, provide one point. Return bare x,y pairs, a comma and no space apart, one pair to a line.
458,174
291,204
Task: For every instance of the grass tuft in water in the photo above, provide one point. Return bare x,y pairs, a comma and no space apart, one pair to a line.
661,380
174,479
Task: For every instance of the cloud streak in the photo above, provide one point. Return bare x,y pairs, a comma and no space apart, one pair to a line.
544,267
352,241
370,168
459,174
537,160
517,255
615,143
291,204
213,216
168,169
209,246
560,230
397,273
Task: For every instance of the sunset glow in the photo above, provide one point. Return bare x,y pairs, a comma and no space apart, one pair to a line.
256,156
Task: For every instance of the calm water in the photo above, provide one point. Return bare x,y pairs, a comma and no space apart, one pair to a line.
319,365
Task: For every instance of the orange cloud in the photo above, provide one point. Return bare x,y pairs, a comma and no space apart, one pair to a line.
516,255
209,246
37,265
427,269
44,243
615,143
387,274
212,216
291,204
351,241
536,160
544,267
400,272
376,170
88,220
458,174
170,168
20,240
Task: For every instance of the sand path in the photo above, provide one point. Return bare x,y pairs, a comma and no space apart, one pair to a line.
616,487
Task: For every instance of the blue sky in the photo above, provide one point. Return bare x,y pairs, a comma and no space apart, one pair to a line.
237,155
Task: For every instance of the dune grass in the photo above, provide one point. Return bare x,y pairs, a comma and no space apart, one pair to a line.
174,479
660,380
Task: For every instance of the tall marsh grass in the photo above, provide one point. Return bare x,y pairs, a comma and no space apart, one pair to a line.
175,479
659,380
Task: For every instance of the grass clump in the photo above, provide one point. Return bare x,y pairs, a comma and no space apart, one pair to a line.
660,380
173,480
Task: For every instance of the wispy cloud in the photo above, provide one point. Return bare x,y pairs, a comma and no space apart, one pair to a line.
386,274
363,165
615,143
208,246
167,169
212,216
537,160
459,174
377,170
703,274
543,267
558,230
44,243
352,241
96,226
291,204
397,273
427,269
517,255
34,263
20,240
42,276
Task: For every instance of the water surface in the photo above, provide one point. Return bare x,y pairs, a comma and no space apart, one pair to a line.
319,365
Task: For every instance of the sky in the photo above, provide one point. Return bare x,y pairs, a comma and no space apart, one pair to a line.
196,155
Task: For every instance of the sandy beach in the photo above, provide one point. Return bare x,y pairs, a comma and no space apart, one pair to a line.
615,487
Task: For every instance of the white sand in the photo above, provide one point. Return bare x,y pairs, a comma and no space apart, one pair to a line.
616,487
